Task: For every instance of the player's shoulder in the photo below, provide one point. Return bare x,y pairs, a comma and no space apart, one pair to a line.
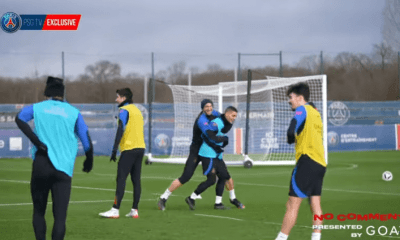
218,121
69,106
203,118
300,110
72,106
215,113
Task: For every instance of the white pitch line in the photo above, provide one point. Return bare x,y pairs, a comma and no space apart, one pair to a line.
214,216
101,189
8,220
237,219
95,201
323,189
241,183
14,181
274,223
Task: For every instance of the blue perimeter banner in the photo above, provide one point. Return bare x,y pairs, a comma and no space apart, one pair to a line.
340,138
361,138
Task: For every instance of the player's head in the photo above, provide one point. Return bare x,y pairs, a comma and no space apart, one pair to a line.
54,87
298,94
124,94
231,114
207,106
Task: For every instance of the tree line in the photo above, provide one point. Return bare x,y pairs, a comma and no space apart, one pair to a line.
351,77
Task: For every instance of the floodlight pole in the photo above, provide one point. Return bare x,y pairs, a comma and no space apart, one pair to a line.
63,74
321,67
246,148
152,93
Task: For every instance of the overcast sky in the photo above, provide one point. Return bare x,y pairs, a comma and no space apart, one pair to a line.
198,32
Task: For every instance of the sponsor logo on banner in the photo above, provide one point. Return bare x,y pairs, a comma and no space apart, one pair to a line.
338,113
11,22
162,141
354,138
1,144
15,143
181,141
269,141
144,111
333,138
259,115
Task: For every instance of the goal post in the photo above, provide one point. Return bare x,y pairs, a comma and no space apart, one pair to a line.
269,118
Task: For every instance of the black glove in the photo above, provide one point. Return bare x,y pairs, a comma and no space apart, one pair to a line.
41,147
226,141
218,149
88,163
214,146
113,156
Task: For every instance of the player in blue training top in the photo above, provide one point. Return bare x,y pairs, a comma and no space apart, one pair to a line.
306,132
201,124
55,148
212,160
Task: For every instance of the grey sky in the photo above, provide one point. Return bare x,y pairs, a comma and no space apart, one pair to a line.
199,32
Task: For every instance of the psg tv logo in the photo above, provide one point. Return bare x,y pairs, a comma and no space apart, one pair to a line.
10,22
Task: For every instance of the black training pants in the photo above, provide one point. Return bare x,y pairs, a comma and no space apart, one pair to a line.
213,167
190,165
129,162
46,178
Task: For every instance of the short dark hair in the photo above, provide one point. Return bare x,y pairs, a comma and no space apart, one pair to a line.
231,108
125,92
300,89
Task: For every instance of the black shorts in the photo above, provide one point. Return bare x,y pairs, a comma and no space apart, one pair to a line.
307,178
214,165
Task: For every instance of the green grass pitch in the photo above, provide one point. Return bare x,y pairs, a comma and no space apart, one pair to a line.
353,184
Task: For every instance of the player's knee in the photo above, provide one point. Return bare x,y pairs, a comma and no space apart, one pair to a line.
225,177
184,179
211,179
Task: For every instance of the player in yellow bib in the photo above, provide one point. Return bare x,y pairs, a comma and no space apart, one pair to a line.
130,139
306,131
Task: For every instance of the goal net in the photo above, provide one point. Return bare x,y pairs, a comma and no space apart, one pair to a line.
260,142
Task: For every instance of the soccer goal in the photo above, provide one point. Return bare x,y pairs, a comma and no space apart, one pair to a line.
260,142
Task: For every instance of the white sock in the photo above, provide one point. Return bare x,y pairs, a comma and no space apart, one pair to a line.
218,200
193,196
166,194
232,194
315,236
281,236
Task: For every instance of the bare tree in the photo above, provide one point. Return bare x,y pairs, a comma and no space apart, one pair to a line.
345,61
214,67
310,63
384,52
176,71
103,71
364,63
391,24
